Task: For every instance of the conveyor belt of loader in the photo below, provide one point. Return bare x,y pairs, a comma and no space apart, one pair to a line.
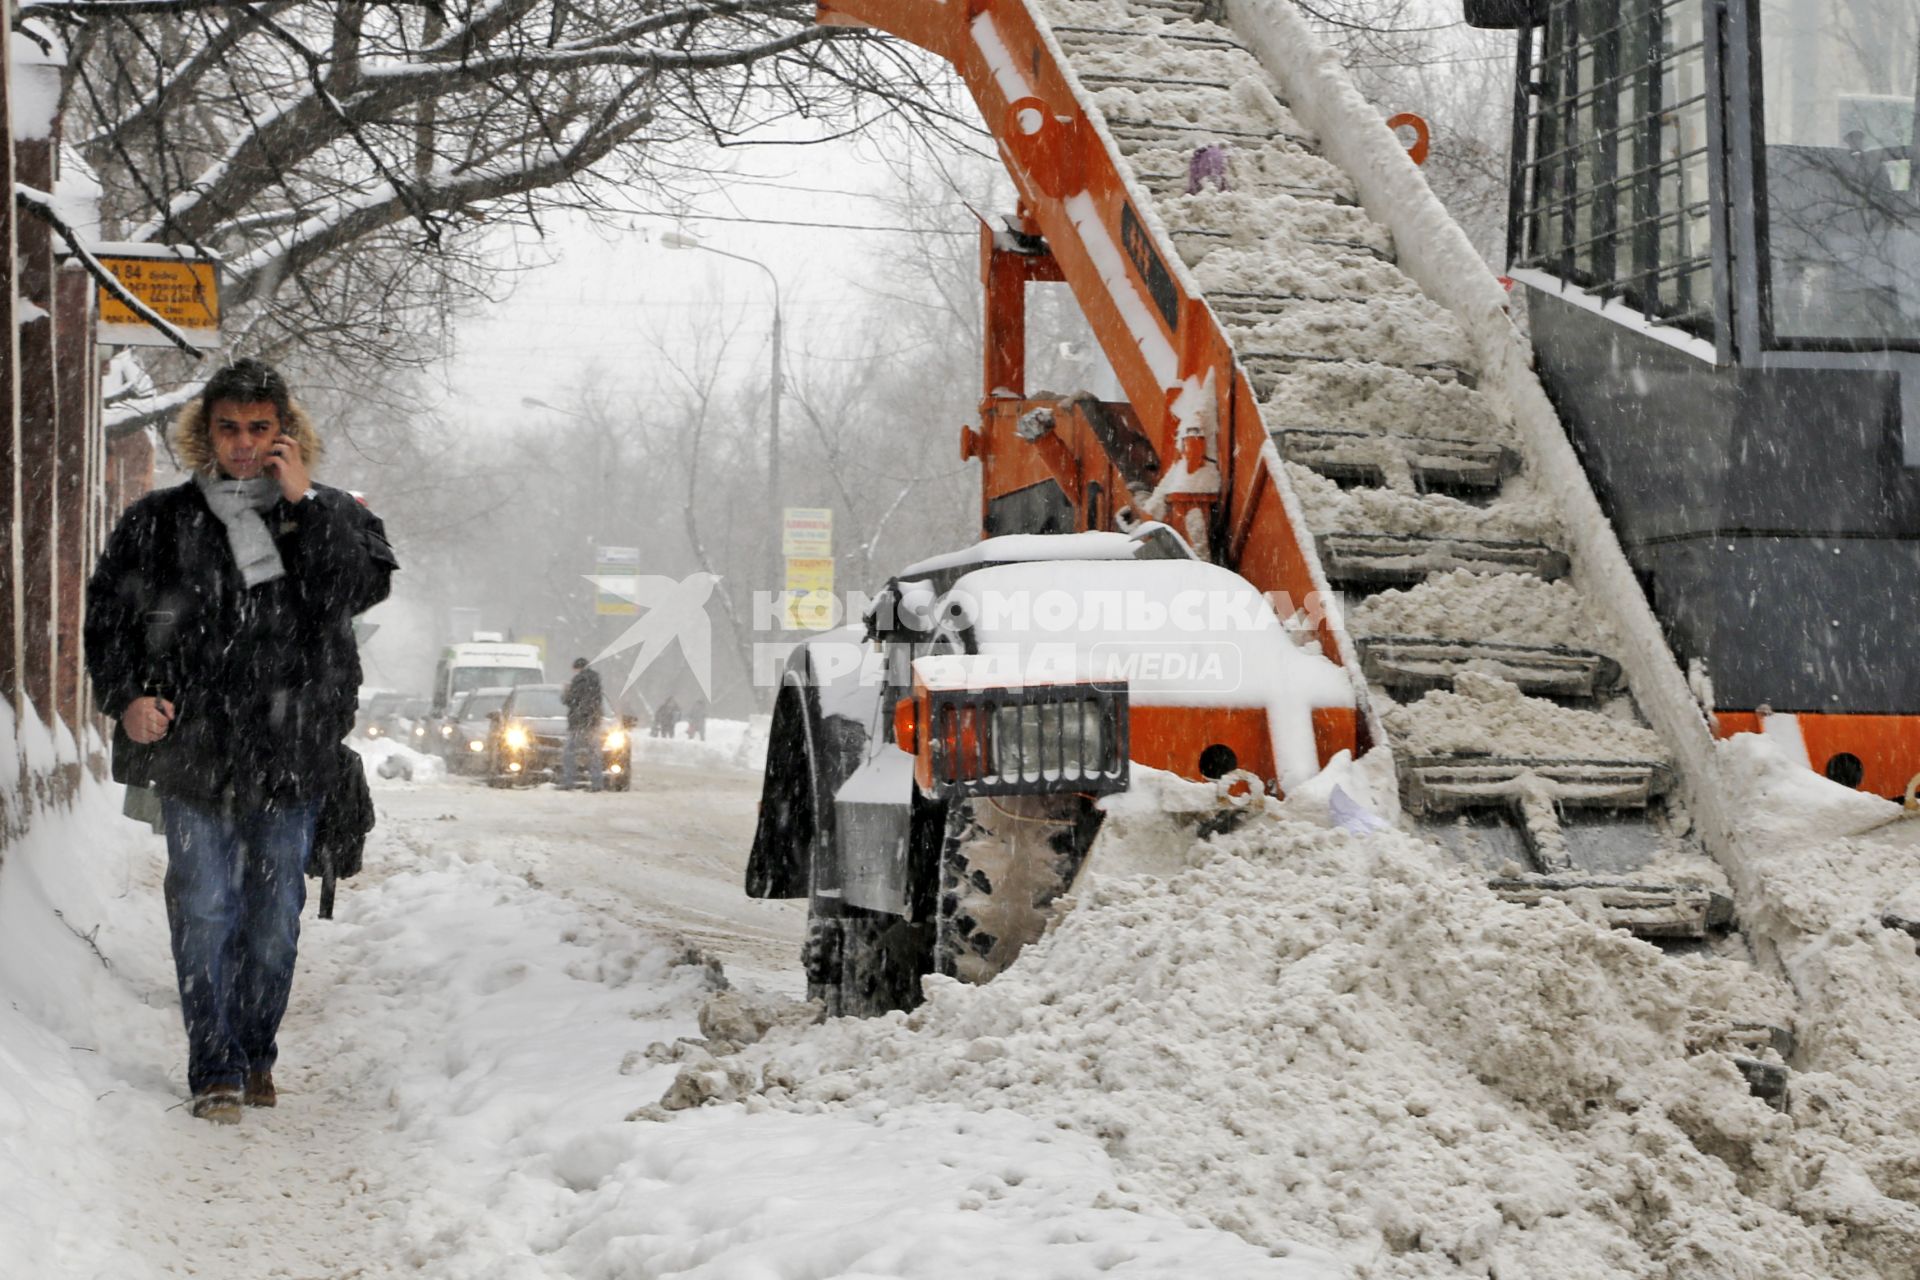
1401,420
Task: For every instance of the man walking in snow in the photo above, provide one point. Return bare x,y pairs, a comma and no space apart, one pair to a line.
219,634
583,698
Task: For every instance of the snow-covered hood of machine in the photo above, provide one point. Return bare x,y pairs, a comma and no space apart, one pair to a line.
1011,548
1177,633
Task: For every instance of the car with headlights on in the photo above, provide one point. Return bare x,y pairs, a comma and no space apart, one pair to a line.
376,717
472,724
414,724
529,733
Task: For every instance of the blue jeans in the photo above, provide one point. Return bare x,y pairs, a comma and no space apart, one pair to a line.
235,885
578,740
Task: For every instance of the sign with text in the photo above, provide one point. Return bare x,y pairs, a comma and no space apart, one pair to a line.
615,567
809,593
806,532
182,287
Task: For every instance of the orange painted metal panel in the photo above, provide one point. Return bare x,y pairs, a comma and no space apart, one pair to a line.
1172,738
1073,194
1888,747
1336,729
1071,456
1055,156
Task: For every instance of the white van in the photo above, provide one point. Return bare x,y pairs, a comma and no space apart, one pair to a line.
483,664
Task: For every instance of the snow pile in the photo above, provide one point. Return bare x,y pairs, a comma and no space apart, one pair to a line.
1271,165
456,1072
392,763
1281,226
1401,330
58,1059
1485,715
1331,509
1821,864
729,744
1311,1036
1227,269
1357,396
1245,108
1499,608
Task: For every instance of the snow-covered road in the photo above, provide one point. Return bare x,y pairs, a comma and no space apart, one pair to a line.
465,1045
666,857
1226,1049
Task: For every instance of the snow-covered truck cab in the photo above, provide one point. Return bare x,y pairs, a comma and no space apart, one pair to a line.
483,664
932,783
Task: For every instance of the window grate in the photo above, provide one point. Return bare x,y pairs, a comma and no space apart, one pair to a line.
1613,192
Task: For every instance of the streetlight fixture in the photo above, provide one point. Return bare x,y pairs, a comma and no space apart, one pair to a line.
535,402
674,239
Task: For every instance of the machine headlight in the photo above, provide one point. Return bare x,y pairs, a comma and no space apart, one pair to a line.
616,739
515,737
446,731
1028,740
476,745
373,731
419,731
1050,740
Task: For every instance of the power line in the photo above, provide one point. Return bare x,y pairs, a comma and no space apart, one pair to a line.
828,226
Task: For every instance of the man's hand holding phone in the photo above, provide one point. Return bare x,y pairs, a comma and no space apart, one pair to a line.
286,465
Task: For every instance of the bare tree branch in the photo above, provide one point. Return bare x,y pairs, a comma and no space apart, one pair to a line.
41,206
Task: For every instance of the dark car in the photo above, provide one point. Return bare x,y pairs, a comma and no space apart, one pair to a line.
396,716
376,718
472,723
414,724
530,732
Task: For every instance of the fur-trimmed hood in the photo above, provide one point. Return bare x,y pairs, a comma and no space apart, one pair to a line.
193,439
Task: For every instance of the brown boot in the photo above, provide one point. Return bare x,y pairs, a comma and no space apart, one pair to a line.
219,1103
260,1089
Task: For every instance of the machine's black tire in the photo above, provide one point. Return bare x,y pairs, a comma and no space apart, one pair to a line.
1004,863
863,963
622,783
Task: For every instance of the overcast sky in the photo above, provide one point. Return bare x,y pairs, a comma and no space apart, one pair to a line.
615,295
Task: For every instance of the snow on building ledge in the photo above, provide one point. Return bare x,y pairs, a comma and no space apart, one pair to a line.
33,81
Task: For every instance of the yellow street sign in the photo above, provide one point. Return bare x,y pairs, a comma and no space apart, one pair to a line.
809,594
184,290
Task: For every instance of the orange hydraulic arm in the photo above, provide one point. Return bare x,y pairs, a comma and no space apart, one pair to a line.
1190,399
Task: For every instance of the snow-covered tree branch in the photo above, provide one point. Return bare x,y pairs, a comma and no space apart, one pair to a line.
303,141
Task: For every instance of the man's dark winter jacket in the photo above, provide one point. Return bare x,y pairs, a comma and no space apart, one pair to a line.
583,698
264,682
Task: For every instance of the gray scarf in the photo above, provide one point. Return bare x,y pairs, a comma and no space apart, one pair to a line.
239,503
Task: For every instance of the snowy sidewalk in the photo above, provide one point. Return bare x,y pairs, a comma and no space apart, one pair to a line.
458,1064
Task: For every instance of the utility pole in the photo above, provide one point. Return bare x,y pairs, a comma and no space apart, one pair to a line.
776,560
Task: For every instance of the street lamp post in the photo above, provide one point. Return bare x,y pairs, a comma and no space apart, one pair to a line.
681,240
535,402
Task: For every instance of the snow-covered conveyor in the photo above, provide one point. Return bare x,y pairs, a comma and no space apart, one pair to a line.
1304,411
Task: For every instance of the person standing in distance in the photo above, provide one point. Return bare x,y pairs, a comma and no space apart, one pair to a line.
583,698
219,634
